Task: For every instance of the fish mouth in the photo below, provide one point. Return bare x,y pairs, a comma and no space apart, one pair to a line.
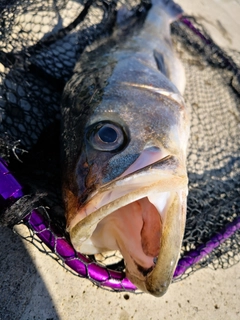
142,214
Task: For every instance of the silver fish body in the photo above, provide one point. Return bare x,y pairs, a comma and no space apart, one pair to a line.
125,131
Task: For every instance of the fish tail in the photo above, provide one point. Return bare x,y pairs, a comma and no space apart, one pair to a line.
173,10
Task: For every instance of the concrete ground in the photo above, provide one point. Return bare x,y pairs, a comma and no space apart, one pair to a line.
34,286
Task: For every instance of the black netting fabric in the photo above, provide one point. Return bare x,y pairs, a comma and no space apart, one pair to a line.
40,42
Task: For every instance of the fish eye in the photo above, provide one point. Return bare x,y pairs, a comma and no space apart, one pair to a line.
106,136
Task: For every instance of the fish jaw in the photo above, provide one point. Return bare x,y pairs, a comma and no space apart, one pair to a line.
159,279
150,238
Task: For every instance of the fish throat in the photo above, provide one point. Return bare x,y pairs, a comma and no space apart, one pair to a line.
135,230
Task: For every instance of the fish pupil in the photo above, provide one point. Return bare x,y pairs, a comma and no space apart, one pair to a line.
107,134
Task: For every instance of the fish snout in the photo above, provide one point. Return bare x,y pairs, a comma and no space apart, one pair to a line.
151,154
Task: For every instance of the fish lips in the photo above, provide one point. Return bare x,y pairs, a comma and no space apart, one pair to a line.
164,178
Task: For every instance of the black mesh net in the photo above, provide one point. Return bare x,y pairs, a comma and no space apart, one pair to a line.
40,44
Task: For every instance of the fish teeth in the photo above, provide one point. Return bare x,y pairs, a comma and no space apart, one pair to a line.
160,200
155,259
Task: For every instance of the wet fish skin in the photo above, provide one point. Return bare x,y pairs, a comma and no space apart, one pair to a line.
85,91
125,83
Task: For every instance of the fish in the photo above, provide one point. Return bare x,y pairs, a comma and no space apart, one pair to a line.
125,130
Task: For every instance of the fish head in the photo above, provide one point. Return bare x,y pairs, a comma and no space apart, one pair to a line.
125,186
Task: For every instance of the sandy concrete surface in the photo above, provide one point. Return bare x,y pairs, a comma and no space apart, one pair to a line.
34,286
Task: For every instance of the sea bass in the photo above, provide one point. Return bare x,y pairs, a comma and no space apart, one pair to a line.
125,130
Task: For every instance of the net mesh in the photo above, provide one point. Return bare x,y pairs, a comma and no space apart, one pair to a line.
40,43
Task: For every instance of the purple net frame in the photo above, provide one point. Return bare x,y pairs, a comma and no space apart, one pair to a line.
11,191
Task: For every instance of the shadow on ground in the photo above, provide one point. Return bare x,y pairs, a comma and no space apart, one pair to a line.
20,282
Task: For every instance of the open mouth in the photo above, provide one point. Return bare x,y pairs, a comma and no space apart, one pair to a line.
141,214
